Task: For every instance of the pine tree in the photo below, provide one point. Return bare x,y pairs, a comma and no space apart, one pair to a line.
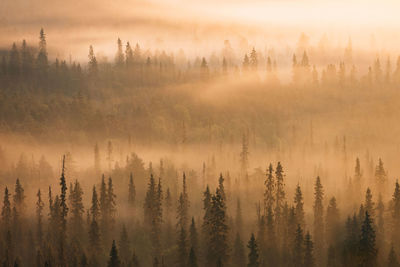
42,61
253,60
280,194
380,175
239,220
192,262
124,245
114,259
183,206
396,214
244,156
128,55
119,57
369,205
298,247
318,218
253,257
131,192
94,231
39,217
182,248
134,261
193,236
93,68
218,247
308,251
269,194
392,258
6,211
299,207
77,209
367,248
332,221
14,61
19,198
111,205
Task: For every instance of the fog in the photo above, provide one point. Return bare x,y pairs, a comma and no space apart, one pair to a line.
196,133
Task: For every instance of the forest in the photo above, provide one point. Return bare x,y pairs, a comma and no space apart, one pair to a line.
158,158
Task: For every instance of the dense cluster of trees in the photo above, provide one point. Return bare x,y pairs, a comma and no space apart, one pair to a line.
76,99
198,220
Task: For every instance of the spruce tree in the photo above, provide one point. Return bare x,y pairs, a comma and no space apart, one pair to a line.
318,219
182,248
124,245
392,258
192,262
298,247
308,251
332,221
114,259
299,207
367,247
280,193
395,208
218,246
6,210
131,192
77,210
269,194
253,256
39,218
369,205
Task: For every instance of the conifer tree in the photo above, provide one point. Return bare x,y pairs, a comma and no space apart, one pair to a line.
6,210
193,236
114,259
332,221
131,192
298,247
280,193
128,55
369,205
253,60
93,68
380,175
269,194
119,57
239,220
182,248
192,258
42,61
396,214
124,245
19,198
308,251
244,156
367,247
218,247
392,258
94,231
253,256
39,218
299,207
318,218
77,209
183,206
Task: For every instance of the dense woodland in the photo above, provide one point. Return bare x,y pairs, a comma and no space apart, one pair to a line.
326,198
